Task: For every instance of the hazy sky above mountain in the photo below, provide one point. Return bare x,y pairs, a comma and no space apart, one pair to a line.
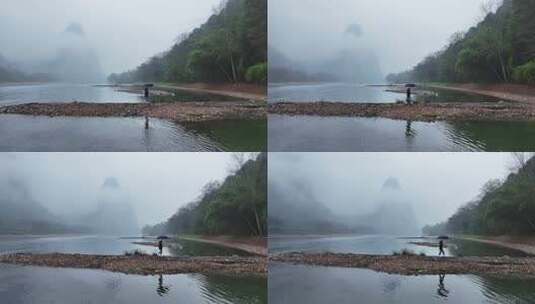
124,33
157,184
401,33
435,184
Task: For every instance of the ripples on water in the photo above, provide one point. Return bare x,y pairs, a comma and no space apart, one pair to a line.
358,93
21,285
63,92
66,134
338,134
306,284
334,92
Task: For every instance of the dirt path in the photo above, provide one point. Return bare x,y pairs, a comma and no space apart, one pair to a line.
254,246
524,244
243,91
428,112
519,93
144,265
179,112
416,265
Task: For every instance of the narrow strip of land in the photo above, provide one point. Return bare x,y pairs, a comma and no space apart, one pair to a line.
416,265
144,265
427,112
256,246
524,244
179,112
514,92
242,91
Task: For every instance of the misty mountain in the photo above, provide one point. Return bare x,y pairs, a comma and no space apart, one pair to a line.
282,69
349,65
114,214
293,209
22,214
352,65
10,72
74,64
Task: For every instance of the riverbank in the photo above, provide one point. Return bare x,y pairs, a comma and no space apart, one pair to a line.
240,90
416,265
143,265
256,246
524,244
514,92
425,112
178,112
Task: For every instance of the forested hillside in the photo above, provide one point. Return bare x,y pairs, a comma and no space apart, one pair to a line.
230,47
237,206
500,49
502,208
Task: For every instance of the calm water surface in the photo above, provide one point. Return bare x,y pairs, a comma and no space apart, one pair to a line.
20,285
325,134
107,245
306,284
358,93
26,284
63,92
312,284
382,245
44,134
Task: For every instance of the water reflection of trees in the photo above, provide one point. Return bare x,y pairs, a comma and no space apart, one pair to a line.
250,289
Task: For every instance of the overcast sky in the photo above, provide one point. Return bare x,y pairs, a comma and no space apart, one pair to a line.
401,33
124,33
436,184
157,184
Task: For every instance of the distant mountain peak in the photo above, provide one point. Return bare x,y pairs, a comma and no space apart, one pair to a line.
391,183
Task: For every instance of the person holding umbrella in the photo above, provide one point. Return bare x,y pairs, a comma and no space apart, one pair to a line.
160,243
409,92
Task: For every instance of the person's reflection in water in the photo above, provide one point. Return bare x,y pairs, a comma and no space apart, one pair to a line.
409,132
162,290
442,291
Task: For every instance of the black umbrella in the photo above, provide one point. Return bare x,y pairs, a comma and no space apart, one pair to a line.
163,237
410,85
443,237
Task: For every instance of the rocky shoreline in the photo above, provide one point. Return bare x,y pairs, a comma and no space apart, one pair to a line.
144,265
416,265
178,112
426,112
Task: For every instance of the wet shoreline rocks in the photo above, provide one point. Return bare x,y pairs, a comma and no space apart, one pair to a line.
144,264
416,265
425,112
178,112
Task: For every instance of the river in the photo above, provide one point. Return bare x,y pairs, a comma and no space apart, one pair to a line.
346,134
359,93
28,284
313,284
95,134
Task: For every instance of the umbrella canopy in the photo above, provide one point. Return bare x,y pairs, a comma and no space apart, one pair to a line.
443,237
163,237
410,85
